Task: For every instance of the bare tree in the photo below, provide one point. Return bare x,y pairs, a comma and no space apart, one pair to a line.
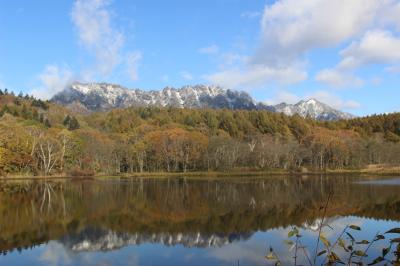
49,150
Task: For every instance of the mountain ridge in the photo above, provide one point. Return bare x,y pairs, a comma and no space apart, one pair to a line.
89,97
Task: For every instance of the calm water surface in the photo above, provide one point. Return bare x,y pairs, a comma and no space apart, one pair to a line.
184,222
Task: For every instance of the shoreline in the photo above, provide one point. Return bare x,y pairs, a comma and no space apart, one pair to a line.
390,171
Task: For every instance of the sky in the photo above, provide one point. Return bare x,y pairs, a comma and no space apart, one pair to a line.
345,53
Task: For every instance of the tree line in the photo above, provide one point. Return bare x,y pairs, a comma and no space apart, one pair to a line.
42,138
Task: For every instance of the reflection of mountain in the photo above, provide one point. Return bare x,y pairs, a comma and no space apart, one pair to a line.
96,239
314,225
143,208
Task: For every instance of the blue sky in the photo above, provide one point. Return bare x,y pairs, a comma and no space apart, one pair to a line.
345,53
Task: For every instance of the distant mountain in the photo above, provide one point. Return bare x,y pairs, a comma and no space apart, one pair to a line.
103,96
92,239
312,108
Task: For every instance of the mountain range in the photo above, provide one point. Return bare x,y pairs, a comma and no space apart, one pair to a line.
93,239
91,97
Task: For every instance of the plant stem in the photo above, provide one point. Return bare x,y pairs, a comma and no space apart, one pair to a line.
320,227
370,244
305,253
296,248
334,244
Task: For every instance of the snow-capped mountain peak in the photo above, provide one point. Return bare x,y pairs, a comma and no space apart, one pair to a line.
312,108
105,96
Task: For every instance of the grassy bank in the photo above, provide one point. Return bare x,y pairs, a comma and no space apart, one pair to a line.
237,173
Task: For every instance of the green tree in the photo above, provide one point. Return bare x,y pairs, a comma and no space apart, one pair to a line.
66,121
73,124
47,123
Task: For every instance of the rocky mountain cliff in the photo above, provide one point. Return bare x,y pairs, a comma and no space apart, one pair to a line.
103,96
312,108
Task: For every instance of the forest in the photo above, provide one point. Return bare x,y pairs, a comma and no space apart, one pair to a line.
42,138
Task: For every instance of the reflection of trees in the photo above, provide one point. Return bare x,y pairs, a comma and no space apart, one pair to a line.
47,192
50,210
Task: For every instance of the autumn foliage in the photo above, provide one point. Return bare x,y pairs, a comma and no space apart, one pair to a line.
41,138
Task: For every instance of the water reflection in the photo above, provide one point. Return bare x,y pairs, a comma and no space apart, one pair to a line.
179,221
390,181
92,239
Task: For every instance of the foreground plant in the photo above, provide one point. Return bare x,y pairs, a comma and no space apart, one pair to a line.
356,252
344,250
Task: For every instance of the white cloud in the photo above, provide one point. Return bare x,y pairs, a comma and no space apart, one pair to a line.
376,81
321,95
375,47
232,59
132,61
54,254
98,35
337,78
291,28
250,14
186,75
53,79
212,49
101,39
394,69
247,252
165,78
92,20
333,100
283,97
390,14
256,76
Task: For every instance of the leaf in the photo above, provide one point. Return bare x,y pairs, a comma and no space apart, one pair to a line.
334,258
271,256
360,253
376,261
355,227
379,237
363,242
385,251
293,232
395,240
288,242
325,241
331,259
278,263
321,253
393,231
351,237
342,244
333,254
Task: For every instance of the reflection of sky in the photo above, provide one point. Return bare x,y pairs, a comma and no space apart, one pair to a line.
248,252
383,182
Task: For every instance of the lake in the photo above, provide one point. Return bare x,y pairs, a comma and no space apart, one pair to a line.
179,221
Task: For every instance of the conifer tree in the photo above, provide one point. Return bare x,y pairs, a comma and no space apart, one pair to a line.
73,124
66,121
47,123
